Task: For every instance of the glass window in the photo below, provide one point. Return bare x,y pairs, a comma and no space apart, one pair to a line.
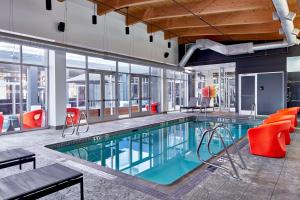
75,60
35,56
101,64
10,97
139,69
178,75
123,67
9,52
170,74
76,88
155,71
34,96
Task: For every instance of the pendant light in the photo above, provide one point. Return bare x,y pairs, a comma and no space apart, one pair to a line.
127,31
94,17
48,5
151,36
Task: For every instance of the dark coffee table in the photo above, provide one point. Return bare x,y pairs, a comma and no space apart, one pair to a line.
17,156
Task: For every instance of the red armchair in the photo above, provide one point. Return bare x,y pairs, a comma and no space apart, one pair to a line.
33,119
269,139
1,122
75,113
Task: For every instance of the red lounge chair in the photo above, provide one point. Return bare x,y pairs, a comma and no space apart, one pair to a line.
278,118
33,119
1,122
75,113
297,109
269,139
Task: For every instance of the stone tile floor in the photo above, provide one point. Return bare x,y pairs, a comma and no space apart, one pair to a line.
266,178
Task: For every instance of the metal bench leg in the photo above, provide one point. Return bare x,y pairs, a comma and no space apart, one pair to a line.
34,164
81,190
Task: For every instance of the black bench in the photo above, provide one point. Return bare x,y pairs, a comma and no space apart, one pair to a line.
40,182
14,157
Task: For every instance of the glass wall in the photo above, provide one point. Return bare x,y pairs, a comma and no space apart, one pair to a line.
177,89
23,87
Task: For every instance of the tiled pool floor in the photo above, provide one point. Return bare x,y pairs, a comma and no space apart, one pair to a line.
266,178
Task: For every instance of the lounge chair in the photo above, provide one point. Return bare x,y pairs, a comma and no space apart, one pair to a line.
269,139
1,122
40,182
33,119
192,105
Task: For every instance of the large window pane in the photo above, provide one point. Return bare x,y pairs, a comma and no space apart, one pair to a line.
139,69
123,67
35,56
156,93
34,97
155,71
75,60
10,97
9,52
76,88
101,64
123,95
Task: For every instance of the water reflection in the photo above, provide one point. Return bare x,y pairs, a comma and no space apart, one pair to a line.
161,155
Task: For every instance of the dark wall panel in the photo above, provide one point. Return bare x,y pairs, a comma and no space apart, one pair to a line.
258,62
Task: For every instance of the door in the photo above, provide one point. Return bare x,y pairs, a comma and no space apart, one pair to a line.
270,94
227,90
102,99
247,85
140,95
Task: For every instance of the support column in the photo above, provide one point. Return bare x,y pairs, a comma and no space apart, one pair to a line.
57,89
164,92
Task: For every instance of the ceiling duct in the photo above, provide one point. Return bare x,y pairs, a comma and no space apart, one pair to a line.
287,28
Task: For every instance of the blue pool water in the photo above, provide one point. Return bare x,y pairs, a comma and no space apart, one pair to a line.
160,154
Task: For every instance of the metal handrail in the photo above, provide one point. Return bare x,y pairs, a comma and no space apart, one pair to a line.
252,112
214,131
75,128
229,133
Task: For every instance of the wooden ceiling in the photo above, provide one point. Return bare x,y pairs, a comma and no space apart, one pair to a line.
189,20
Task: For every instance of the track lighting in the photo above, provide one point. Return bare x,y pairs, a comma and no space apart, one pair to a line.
48,5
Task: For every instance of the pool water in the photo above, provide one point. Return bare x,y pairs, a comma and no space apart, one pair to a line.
161,154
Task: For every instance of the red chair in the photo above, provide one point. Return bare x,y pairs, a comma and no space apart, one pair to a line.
297,109
269,139
1,122
33,119
282,117
73,113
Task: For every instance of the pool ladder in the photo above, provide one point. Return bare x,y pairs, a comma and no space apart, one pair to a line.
209,134
75,127
252,112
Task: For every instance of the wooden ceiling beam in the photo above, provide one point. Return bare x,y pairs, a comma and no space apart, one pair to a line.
106,6
236,37
227,19
227,30
204,7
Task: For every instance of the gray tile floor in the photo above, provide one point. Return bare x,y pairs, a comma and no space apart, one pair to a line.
266,178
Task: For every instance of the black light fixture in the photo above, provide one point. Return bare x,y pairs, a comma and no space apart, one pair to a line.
166,54
94,17
48,5
151,36
127,31
61,26
169,44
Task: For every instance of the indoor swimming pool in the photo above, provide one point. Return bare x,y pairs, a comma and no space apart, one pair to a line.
160,154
